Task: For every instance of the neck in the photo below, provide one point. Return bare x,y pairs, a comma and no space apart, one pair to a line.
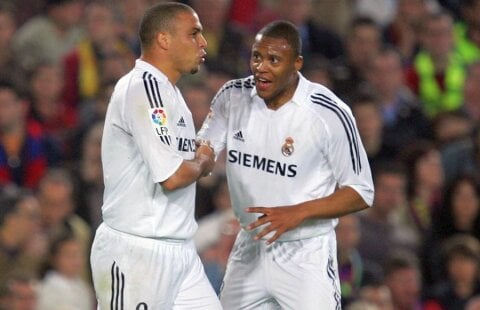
162,65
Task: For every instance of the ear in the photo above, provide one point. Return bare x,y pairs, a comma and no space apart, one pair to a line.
299,63
163,40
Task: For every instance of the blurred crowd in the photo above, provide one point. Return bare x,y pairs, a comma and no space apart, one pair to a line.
409,70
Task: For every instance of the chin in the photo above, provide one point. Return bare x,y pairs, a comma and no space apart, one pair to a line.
194,70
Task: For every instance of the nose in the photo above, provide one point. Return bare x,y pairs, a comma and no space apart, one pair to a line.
259,66
203,41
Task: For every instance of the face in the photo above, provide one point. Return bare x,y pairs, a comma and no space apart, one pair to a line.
99,22
363,44
386,73
69,259
187,37
390,193
437,37
466,205
11,110
369,121
404,286
429,169
462,269
47,83
26,219
56,202
274,66
69,13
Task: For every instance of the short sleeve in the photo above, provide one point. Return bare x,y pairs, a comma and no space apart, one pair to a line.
150,121
214,128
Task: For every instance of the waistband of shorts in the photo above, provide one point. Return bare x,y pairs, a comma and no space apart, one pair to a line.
289,237
161,239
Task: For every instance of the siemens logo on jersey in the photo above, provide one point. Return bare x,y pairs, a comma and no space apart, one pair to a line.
262,163
186,145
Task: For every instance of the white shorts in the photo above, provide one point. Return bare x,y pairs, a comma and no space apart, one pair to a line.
134,273
301,274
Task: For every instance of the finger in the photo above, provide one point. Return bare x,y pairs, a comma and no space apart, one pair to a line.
256,210
261,221
274,237
264,232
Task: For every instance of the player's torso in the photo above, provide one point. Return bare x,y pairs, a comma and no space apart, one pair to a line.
134,202
271,152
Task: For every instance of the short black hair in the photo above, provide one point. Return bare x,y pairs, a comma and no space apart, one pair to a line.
160,17
282,29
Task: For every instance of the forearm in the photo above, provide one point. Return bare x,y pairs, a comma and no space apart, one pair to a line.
285,218
191,170
342,202
188,172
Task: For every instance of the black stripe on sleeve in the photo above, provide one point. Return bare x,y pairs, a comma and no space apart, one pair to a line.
147,90
154,90
351,127
347,124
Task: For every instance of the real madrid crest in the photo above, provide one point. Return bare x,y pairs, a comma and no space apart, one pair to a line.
287,147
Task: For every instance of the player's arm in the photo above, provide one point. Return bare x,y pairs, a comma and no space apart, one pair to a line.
210,140
149,121
281,219
214,128
351,170
191,170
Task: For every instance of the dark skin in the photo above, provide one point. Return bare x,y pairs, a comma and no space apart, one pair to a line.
275,67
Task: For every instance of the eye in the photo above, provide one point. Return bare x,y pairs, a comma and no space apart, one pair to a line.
274,60
255,57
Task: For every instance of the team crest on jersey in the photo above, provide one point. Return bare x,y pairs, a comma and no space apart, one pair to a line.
287,147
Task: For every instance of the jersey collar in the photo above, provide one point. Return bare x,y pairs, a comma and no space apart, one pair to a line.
152,69
300,92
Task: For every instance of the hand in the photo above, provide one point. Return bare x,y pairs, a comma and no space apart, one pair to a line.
207,157
281,219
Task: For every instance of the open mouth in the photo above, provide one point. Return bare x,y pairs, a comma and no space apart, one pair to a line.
202,57
262,84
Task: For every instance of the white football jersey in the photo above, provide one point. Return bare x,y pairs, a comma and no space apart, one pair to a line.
148,133
302,151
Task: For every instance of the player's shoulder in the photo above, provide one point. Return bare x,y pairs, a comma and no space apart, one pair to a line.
145,78
323,102
141,82
242,85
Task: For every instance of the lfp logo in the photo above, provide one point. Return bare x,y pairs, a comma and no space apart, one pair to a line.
159,117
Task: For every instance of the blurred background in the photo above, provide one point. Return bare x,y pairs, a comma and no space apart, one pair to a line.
409,70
